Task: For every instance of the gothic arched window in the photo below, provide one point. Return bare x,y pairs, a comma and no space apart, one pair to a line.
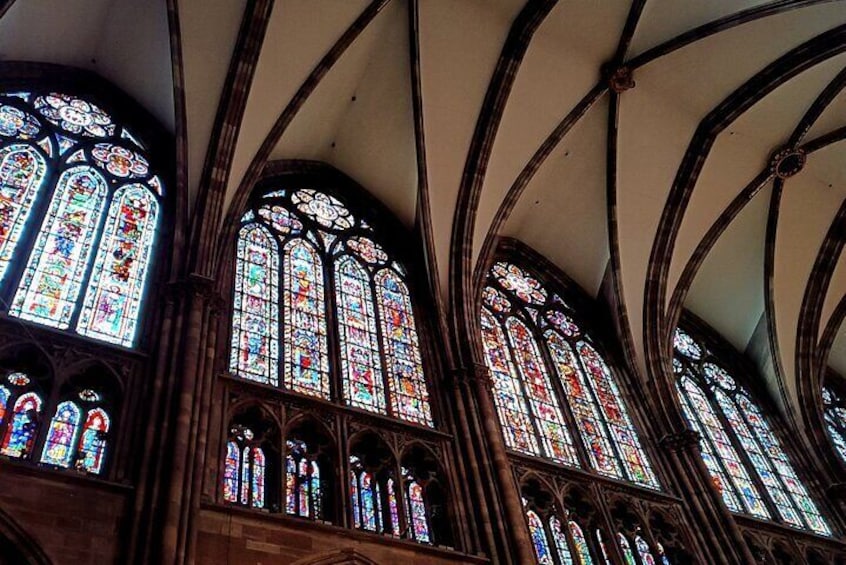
79,210
245,469
547,371
313,284
556,541
746,460
77,435
303,489
20,415
834,412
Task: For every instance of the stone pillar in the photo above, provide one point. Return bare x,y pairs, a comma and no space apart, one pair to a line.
715,530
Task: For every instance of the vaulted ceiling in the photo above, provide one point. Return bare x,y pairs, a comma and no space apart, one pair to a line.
473,119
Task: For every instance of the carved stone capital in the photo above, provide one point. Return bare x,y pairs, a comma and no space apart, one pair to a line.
787,162
476,374
681,441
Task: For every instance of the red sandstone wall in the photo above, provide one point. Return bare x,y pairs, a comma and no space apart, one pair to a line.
74,520
240,537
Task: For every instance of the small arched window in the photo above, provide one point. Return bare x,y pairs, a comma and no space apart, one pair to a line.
22,426
77,435
834,412
303,488
557,540
547,371
245,469
309,274
80,207
746,460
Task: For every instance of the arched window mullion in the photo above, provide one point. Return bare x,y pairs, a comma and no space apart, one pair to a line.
522,384
707,437
336,376
597,406
742,452
563,398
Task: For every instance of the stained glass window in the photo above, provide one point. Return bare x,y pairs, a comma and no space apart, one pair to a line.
4,402
21,426
73,249
560,540
416,516
61,435
643,550
303,488
738,443
244,470
626,549
324,249
834,408
92,442
393,509
539,539
366,499
521,322
580,544
255,340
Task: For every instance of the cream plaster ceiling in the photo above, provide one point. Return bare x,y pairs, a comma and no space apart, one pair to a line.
360,119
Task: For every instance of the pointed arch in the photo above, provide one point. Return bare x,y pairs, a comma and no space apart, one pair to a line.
22,172
93,440
112,302
60,445
53,277
255,325
22,426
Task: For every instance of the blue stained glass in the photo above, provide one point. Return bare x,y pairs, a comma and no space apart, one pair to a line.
360,355
245,475
61,435
626,549
539,541
53,277
255,339
560,540
355,498
370,504
20,431
408,393
392,508
510,403
418,522
22,172
306,346
4,403
92,441
646,557
257,478
112,302
579,541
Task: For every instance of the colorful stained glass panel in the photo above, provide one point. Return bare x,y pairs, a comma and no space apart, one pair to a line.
539,540
231,471
61,435
418,521
53,277
92,441
515,279
22,426
22,170
579,541
408,393
559,538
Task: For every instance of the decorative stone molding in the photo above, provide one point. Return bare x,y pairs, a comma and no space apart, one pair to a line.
620,79
787,162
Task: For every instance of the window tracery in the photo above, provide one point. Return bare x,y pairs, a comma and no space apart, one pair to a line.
339,287
746,460
78,218
529,335
834,413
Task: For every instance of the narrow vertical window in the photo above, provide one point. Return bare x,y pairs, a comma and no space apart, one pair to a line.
306,348
509,400
418,522
409,397
112,301
303,481
53,277
22,170
580,543
626,549
360,357
539,539
4,403
231,472
560,540
92,442
22,426
257,477
255,337
643,550
835,419
62,435
393,510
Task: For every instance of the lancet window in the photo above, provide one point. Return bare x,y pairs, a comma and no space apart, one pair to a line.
745,457
551,382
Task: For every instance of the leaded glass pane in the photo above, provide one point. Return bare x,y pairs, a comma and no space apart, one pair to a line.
623,433
580,543
255,326
560,540
257,478
53,277
643,550
305,344
112,301
392,508
510,404
545,406
92,442
539,540
416,513
231,471
61,435
626,549
22,426
360,355
22,172
409,397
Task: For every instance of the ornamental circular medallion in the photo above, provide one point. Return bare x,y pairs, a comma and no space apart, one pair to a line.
281,219
120,161
18,379
685,345
368,250
75,115
326,210
718,375
512,278
88,395
495,299
17,123
563,322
